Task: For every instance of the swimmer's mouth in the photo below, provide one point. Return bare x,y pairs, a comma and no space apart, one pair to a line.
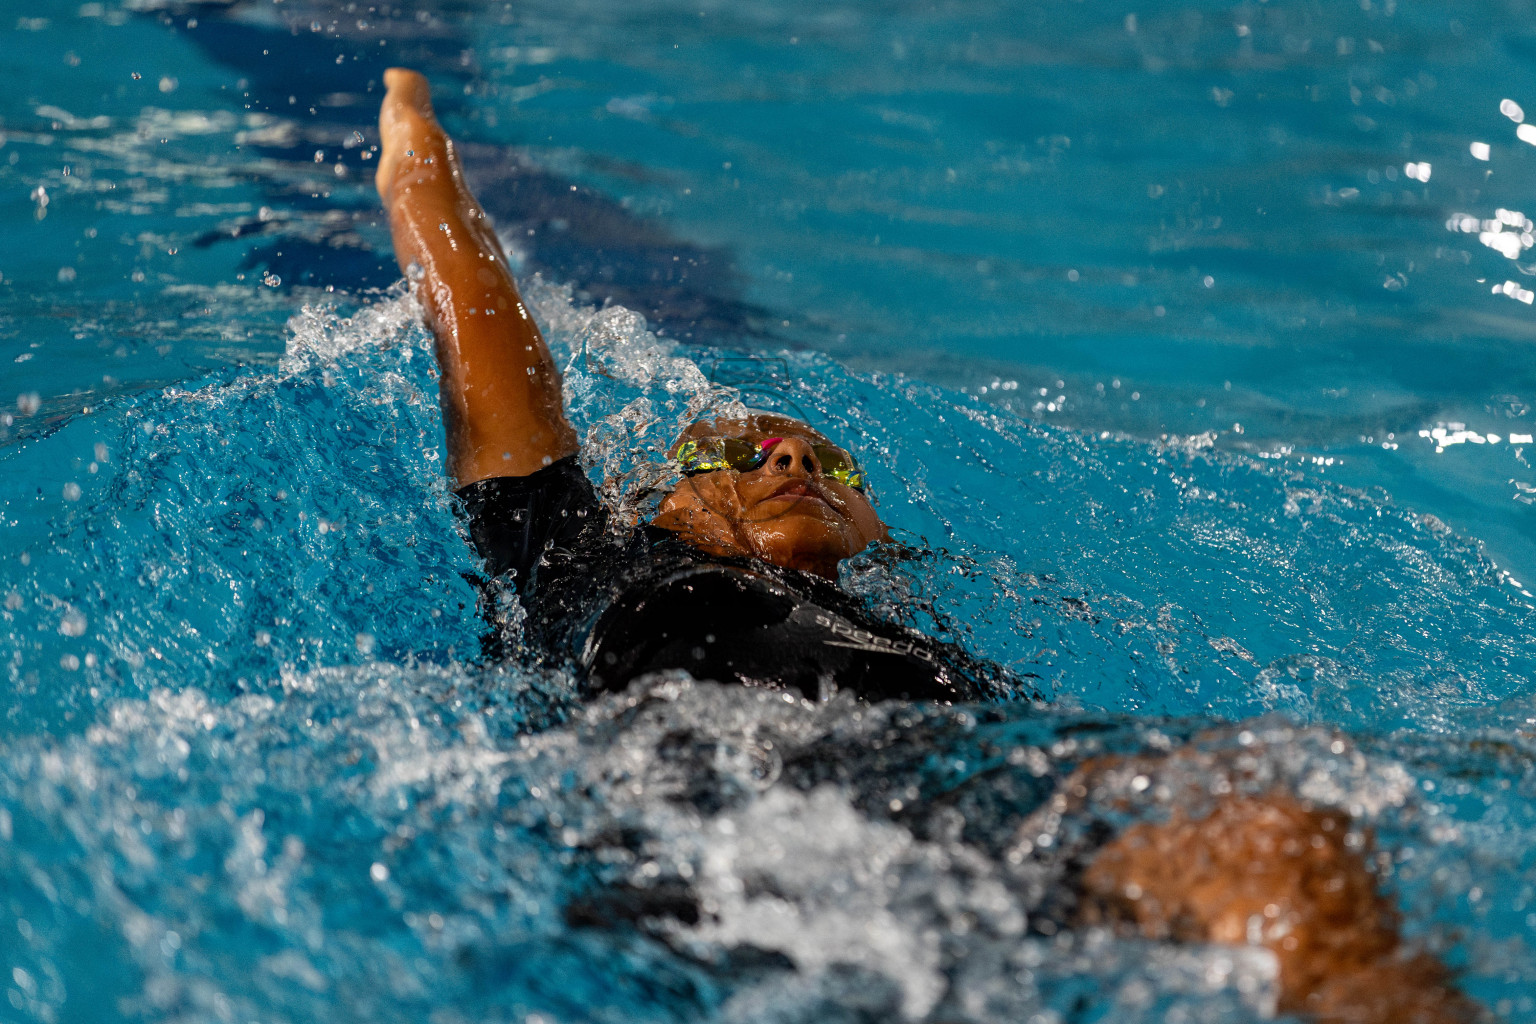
801,489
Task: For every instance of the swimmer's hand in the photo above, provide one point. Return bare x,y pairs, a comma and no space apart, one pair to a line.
1275,872
406,126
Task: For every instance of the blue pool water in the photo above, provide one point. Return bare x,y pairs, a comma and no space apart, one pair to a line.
1190,341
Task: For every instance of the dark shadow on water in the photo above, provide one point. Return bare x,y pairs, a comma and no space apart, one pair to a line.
329,82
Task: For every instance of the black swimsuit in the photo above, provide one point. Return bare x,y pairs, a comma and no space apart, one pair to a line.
620,605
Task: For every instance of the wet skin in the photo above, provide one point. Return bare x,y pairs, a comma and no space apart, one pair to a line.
786,511
500,390
1341,959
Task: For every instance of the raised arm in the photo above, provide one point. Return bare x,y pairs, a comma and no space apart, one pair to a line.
500,390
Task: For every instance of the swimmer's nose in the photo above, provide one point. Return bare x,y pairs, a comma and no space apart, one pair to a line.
793,457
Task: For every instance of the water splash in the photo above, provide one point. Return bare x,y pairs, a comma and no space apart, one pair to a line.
252,760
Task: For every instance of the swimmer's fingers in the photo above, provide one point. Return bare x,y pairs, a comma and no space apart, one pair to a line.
409,87
407,125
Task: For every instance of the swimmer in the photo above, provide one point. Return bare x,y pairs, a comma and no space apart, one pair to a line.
735,580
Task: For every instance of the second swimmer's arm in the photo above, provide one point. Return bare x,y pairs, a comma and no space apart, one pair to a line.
500,390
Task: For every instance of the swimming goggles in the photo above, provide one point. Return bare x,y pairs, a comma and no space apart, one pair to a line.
734,453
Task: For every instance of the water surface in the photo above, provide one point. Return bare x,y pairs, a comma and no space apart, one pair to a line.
1188,341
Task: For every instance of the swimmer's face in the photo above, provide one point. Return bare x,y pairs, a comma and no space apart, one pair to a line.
786,511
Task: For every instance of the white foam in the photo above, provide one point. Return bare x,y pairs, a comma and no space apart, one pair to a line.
628,390
870,915
318,335
834,879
